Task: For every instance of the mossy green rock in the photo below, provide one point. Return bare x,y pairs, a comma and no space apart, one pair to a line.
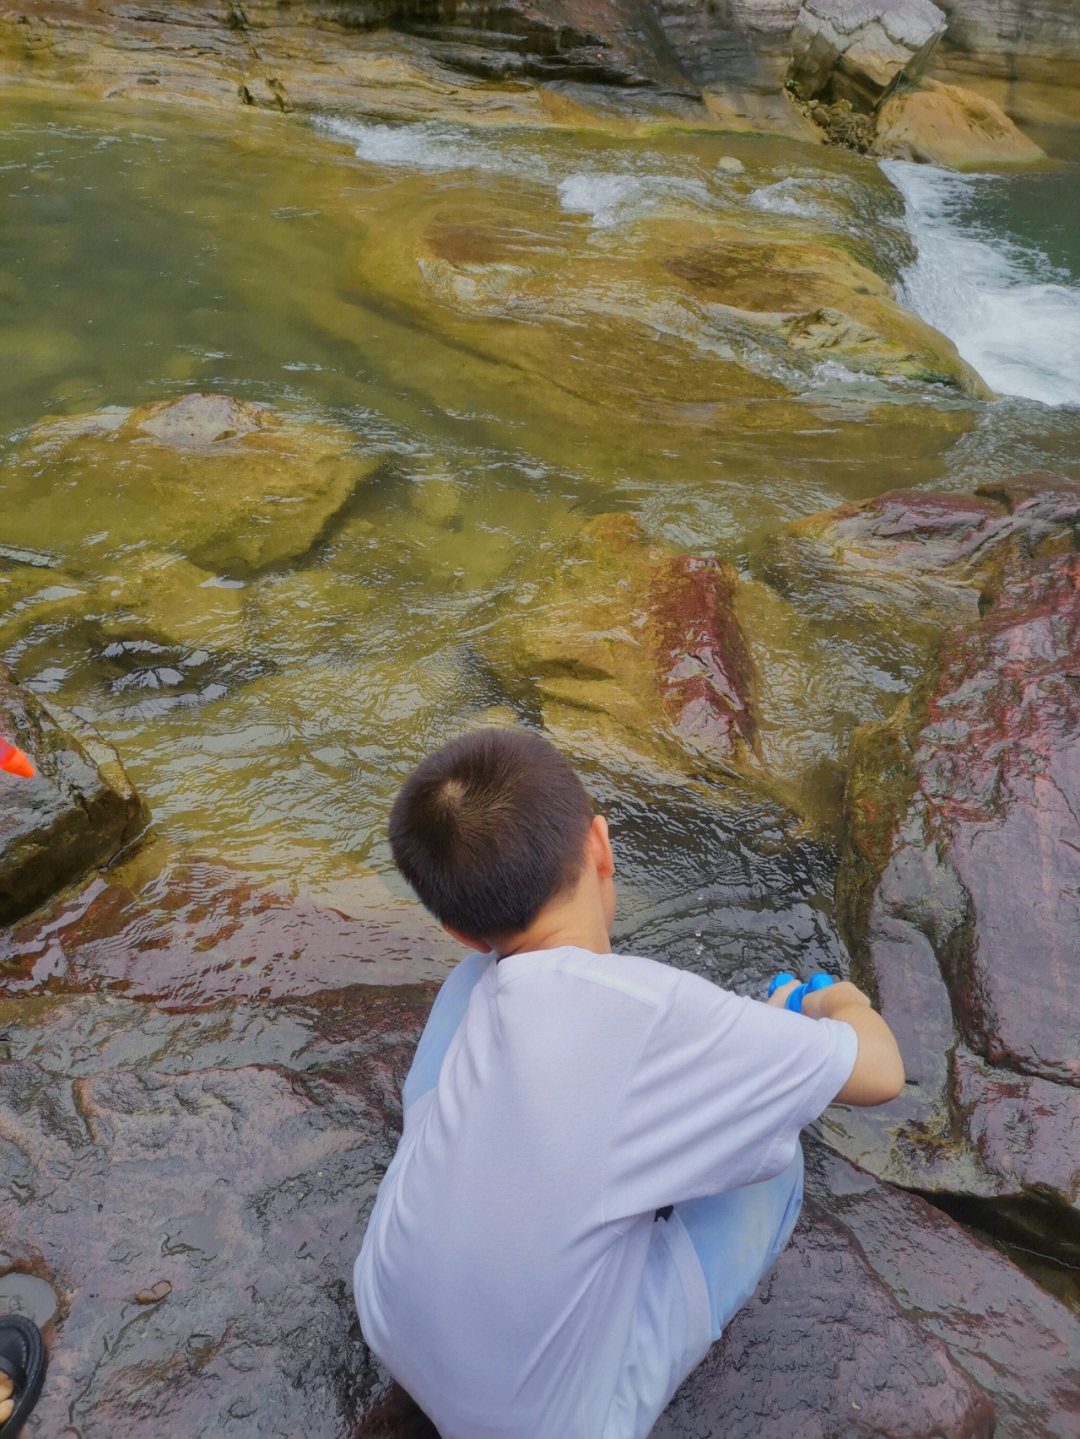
234,487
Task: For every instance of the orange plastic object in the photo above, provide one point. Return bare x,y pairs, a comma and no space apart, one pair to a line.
14,761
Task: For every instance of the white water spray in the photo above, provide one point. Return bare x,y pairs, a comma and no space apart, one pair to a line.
1011,316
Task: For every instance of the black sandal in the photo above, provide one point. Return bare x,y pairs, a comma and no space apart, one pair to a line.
22,1359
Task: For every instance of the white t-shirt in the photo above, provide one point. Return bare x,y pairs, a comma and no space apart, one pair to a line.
512,1244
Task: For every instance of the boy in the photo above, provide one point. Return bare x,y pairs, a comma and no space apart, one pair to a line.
522,1274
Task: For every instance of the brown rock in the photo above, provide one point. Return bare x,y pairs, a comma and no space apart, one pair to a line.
945,125
78,811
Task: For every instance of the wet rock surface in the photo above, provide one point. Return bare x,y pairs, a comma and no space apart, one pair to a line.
78,811
192,1184
932,559
199,933
199,1091
233,486
959,895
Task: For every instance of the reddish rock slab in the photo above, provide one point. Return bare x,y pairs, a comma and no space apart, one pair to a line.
1017,1342
243,1191
200,934
982,787
1022,1127
703,662
959,895
822,1351
78,811
199,1229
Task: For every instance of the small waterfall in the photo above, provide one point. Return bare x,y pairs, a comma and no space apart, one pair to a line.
1010,312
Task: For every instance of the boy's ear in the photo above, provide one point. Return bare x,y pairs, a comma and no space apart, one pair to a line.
599,847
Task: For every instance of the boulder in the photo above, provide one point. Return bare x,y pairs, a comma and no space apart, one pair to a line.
958,895
945,125
80,810
859,50
643,636
234,487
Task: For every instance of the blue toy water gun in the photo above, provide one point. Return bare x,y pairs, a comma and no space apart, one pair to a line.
796,997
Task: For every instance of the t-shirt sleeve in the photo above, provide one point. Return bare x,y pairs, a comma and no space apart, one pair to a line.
722,1087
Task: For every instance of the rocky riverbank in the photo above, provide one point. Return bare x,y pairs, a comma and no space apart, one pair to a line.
406,61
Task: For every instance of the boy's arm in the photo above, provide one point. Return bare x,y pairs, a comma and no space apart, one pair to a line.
878,1075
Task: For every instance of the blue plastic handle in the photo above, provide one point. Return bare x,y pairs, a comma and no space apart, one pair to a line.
796,997
778,981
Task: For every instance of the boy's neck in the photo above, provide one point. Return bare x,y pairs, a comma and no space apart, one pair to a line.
578,922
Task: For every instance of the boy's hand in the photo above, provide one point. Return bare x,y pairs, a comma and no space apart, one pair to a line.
878,1075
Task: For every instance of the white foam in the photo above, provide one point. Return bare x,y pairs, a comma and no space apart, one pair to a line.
1010,316
418,146
611,196
790,196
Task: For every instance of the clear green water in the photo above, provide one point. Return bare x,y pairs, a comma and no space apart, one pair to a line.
144,256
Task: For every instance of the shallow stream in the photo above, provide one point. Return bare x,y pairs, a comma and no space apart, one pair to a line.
144,255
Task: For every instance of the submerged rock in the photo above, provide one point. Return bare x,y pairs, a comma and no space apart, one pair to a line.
859,50
946,125
643,639
78,811
960,898
233,486
927,559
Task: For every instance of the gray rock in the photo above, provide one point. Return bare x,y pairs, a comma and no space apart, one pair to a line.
858,50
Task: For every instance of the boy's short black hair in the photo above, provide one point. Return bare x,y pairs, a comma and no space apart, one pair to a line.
489,828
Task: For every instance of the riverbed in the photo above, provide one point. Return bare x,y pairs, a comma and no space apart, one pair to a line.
144,256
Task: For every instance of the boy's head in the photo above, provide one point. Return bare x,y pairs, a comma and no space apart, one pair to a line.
490,829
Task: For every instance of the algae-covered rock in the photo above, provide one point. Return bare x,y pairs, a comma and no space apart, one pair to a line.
670,310
78,811
642,638
233,486
947,125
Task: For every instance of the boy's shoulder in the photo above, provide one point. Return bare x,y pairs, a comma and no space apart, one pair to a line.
649,981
